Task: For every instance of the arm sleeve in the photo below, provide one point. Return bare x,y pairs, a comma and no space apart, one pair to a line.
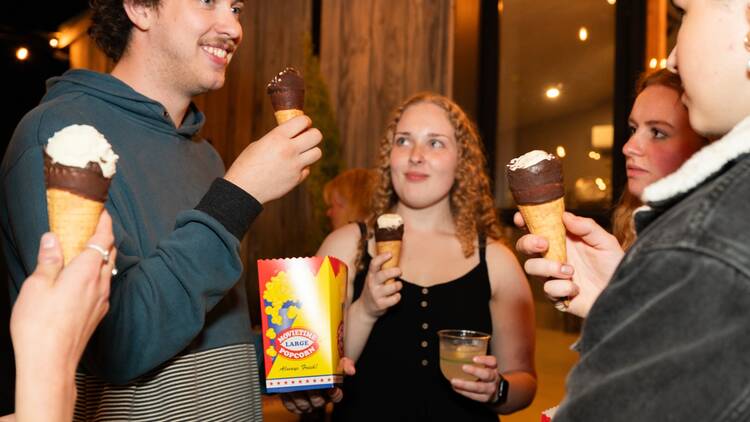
668,340
158,303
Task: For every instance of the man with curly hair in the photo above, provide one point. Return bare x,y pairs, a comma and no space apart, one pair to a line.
176,343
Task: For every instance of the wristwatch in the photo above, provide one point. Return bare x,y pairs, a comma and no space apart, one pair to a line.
502,391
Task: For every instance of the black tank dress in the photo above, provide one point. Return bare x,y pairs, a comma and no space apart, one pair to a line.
398,373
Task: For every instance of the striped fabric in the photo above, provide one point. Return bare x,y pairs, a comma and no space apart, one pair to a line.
214,385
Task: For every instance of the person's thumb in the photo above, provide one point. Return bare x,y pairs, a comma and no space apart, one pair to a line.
50,258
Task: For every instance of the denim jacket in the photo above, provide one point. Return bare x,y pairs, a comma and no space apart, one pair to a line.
669,338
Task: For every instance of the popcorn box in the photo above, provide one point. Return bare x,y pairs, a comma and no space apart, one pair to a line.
302,310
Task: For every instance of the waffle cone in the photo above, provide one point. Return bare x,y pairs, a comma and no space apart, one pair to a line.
546,220
73,219
284,115
392,246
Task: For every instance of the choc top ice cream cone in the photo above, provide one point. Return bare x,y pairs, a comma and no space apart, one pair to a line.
78,167
389,232
287,92
536,182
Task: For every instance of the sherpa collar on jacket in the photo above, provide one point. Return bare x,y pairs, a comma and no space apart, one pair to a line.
702,165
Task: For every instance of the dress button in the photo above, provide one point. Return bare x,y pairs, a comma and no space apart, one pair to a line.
424,344
425,291
423,303
425,325
424,362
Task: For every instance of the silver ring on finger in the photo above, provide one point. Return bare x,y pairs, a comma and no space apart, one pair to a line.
562,305
104,253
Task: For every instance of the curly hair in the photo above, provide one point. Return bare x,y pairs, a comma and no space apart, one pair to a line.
471,201
111,27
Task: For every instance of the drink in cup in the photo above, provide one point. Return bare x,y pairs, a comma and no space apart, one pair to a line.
458,348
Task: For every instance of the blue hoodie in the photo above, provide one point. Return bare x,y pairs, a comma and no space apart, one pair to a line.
177,226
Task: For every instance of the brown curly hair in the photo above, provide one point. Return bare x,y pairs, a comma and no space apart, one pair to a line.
111,27
471,202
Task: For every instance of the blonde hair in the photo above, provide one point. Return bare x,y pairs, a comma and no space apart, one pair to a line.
356,187
471,202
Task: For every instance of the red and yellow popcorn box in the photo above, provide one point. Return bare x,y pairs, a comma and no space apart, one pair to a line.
302,309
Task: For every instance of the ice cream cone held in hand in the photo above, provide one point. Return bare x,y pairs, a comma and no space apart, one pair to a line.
287,92
78,167
536,182
389,232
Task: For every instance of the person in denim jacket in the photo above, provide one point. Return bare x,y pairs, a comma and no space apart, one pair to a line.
668,324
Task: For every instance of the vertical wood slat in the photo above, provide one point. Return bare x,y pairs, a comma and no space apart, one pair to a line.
375,54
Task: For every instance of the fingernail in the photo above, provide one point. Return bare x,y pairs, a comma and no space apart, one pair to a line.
48,240
566,269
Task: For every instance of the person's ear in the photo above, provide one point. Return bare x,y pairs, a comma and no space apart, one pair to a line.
142,15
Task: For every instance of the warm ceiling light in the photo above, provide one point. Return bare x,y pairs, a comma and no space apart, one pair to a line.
561,151
583,33
22,53
663,63
600,183
611,1
552,92
54,42
594,155
652,63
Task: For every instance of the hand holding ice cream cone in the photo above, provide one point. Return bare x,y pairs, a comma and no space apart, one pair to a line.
78,167
535,179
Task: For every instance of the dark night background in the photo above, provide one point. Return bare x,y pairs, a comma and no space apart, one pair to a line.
27,24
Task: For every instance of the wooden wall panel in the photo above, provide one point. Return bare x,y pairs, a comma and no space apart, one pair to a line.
240,113
376,53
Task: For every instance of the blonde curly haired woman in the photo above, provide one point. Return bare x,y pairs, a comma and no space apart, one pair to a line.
454,272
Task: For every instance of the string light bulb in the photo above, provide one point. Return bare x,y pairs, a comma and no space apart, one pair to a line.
583,33
552,92
54,42
22,53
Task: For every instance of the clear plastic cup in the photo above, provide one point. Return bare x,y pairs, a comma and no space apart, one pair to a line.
458,348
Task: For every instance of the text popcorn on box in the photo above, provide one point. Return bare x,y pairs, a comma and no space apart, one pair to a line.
302,311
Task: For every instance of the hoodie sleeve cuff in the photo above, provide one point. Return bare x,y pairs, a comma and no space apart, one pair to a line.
231,206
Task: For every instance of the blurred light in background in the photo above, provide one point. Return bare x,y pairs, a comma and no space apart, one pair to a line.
561,151
583,33
22,53
611,1
552,92
600,184
54,42
594,155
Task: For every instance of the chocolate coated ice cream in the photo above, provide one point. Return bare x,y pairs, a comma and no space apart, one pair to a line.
535,178
389,227
287,90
